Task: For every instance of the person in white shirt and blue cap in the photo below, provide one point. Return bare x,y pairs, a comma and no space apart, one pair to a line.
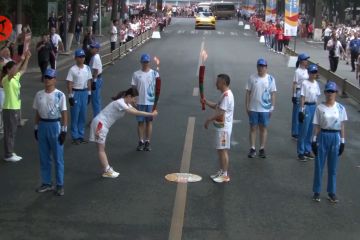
79,80
301,74
328,141
50,132
310,91
97,81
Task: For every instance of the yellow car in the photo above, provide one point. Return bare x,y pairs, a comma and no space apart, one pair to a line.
205,19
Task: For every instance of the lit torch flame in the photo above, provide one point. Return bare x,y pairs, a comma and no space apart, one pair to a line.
157,60
203,56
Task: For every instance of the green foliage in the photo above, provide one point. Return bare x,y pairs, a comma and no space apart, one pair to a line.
36,13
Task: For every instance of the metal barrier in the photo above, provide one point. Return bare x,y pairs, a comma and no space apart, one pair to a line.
109,58
345,88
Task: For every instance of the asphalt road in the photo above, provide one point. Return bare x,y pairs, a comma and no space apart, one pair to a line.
266,198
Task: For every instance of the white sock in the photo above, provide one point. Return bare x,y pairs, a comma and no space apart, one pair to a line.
107,168
224,173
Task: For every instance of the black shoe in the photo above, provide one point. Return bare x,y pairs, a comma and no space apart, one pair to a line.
262,153
309,156
82,141
140,146
147,146
332,198
59,191
316,197
301,158
252,153
76,142
44,188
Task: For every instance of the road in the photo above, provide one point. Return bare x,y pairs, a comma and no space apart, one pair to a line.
266,198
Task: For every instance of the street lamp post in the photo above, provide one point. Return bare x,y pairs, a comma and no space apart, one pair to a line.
100,17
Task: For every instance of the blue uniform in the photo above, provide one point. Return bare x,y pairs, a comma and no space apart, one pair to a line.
49,107
79,77
330,120
300,75
96,63
310,92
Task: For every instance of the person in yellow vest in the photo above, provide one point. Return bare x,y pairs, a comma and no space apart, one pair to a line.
12,73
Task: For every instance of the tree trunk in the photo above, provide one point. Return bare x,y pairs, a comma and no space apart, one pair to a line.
147,6
90,13
74,17
114,10
123,8
159,5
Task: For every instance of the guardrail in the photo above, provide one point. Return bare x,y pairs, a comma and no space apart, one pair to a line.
345,88
109,58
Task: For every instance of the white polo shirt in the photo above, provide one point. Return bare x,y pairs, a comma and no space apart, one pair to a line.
95,63
145,84
50,105
112,112
300,75
330,118
79,76
310,90
260,89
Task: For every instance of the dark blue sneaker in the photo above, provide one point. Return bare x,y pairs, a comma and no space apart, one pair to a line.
44,188
316,197
302,158
140,146
332,198
262,153
252,153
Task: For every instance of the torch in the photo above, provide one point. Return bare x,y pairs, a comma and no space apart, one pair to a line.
157,84
201,77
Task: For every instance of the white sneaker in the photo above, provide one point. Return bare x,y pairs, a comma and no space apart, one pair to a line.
221,178
19,157
110,173
218,173
13,158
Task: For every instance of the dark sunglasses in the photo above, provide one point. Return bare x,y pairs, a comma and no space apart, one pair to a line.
48,77
330,91
82,56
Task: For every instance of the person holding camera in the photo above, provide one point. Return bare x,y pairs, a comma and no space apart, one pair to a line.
335,49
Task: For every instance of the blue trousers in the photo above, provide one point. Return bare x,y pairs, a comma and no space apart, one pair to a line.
96,97
328,149
306,130
295,116
48,134
78,114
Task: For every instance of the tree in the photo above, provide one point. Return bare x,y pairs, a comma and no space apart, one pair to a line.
74,17
114,10
90,12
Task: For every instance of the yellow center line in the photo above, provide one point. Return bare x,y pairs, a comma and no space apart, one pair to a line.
177,220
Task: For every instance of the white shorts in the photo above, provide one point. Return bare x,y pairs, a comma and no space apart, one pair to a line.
222,139
98,126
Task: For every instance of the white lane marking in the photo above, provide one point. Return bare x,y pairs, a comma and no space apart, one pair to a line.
233,143
234,34
177,220
220,33
196,92
235,121
246,34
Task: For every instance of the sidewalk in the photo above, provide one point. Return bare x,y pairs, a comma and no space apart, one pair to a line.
318,55
64,58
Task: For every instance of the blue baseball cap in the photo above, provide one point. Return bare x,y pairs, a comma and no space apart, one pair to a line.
261,62
145,58
330,86
312,68
303,56
79,53
95,45
50,73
